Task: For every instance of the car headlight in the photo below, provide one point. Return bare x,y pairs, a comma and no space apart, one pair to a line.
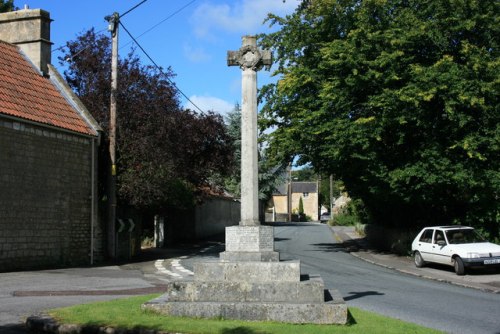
473,255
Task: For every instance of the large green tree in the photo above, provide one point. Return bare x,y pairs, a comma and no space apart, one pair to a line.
399,99
165,153
7,6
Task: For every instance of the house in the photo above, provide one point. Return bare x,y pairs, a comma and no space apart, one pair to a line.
48,155
283,204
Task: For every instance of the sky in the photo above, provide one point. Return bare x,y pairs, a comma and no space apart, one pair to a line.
190,36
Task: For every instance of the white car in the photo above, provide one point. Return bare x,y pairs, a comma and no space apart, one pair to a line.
457,246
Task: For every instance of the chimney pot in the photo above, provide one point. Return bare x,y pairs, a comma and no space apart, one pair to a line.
30,30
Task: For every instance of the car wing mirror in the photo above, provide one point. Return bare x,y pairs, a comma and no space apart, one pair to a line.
441,243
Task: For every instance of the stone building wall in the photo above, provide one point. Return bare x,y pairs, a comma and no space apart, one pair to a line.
45,198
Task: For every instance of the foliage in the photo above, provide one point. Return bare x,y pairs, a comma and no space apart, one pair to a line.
271,175
164,153
352,214
306,174
7,6
127,314
398,99
233,124
301,206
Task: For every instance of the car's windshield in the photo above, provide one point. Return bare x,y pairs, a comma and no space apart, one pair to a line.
463,236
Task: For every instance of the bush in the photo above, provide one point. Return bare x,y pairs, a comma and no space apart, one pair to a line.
353,213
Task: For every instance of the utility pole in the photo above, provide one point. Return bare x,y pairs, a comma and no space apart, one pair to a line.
113,28
289,192
331,196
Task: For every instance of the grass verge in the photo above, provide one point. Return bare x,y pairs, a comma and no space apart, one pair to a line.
126,313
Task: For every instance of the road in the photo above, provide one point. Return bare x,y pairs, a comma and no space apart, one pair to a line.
370,287
28,293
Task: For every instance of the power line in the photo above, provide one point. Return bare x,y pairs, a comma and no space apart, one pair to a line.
122,15
159,68
167,18
131,9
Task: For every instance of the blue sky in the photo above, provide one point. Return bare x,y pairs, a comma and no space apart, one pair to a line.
194,42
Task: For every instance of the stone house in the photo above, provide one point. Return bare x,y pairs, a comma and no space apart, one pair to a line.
281,202
48,155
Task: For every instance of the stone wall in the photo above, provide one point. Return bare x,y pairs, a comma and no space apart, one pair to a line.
214,215
45,198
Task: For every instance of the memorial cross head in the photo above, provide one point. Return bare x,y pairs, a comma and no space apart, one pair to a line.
249,56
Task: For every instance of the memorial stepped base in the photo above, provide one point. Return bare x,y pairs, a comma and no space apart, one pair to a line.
260,291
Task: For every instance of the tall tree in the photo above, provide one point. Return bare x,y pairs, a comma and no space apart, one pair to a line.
396,98
7,6
233,123
163,150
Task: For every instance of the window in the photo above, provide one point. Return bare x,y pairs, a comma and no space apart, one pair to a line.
438,236
305,195
426,236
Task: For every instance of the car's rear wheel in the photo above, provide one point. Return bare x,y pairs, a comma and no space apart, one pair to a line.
459,266
419,261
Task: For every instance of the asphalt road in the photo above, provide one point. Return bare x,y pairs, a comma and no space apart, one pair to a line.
370,287
28,293
433,304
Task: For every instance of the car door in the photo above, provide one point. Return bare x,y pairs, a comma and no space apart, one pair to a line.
440,251
424,245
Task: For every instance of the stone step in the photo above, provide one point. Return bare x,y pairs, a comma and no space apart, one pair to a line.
285,271
308,291
331,312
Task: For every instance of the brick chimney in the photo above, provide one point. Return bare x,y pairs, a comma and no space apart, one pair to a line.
30,30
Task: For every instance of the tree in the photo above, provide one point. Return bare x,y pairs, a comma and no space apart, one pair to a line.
301,206
398,99
7,6
233,123
164,152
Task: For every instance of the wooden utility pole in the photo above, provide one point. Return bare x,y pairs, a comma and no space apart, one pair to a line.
113,28
289,192
331,196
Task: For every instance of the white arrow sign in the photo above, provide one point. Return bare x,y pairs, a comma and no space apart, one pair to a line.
132,225
122,225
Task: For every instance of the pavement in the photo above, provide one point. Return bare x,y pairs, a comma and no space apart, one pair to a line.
487,279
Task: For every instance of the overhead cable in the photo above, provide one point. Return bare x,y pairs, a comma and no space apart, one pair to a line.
167,18
131,9
159,68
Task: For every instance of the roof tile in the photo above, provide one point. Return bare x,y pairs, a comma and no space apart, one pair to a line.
26,94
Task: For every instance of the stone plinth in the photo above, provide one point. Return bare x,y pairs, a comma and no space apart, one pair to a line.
251,272
250,290
249,243
331,312
308,291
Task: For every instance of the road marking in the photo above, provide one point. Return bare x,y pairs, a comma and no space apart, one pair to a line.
159,266
178,266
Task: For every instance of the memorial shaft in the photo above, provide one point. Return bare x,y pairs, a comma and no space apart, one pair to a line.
250,59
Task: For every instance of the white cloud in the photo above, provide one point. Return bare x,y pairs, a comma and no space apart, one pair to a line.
241,16
196,55
207,103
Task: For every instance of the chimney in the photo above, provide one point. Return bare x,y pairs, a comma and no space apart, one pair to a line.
30,30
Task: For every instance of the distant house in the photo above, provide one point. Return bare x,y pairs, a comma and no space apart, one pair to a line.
48,145
282,203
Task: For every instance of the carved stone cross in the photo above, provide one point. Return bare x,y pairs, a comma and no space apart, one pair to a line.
250,59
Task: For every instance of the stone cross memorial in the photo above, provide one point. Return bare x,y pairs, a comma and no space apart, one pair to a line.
249,282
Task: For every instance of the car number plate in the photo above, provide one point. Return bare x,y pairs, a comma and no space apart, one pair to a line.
493,261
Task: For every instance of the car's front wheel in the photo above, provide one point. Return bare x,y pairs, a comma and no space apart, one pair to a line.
459,266
419,261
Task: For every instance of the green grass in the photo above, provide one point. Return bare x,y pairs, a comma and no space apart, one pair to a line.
126,313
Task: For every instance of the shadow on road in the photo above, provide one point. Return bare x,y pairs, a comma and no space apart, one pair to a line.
356,295
13,329
240,330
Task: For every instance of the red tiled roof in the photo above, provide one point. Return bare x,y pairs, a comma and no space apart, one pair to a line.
26,94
